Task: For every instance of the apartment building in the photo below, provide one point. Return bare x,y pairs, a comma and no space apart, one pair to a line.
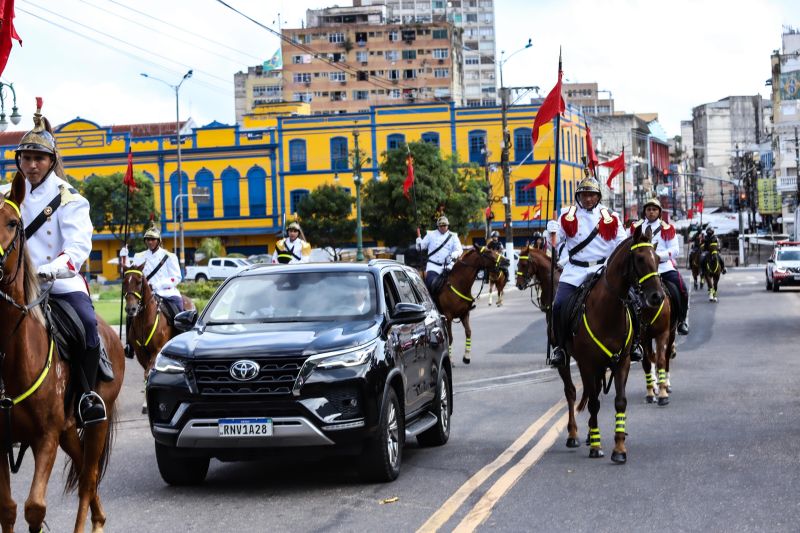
586,97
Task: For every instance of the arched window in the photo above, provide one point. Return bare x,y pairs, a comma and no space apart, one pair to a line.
431,137
395,140
524,197
339,153
477,146
230,192
295,197
205,178
523,143
257,190
184,189
297,155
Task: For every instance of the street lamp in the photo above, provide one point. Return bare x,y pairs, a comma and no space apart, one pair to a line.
15,116
177,88
504,156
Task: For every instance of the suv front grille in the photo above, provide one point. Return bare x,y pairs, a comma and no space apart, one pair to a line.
276,376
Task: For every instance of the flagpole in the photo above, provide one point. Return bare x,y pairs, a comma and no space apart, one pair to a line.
553,253
624,214
119,258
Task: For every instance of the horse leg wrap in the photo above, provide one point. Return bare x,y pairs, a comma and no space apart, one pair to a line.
620,423
594,437
662,376
469,346
650,380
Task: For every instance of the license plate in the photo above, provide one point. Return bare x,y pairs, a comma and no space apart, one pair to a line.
245,427
797,278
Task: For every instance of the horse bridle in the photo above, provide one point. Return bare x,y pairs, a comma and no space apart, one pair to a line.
633,272
137,294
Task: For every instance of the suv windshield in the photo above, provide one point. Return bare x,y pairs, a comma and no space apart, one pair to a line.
789,255
289,297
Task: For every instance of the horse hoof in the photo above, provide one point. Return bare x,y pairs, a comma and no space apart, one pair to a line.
663,401
619,457
595,453
465,360
572,442
649,399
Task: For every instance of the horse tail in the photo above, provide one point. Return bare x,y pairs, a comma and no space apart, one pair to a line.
73,474
584,401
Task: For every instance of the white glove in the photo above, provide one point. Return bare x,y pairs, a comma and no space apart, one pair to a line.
52,269
552,226
123,252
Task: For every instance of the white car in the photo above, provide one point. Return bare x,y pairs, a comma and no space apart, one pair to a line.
783,266
218,268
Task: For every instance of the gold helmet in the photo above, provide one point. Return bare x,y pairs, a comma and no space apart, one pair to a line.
588,185
293,225
655,203
40,138
442,221
152,233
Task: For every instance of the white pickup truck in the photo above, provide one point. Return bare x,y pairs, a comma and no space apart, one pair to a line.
217,268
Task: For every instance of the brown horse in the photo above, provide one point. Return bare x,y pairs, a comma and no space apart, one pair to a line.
149,330
533,270
694,265
604,325
455,299
497,279
37,389
712,268
659,326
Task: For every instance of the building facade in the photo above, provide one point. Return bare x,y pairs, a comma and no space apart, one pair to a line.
585,97
258,173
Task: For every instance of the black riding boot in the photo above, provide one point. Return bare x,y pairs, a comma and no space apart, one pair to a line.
129,353
558,357
636,347
91,408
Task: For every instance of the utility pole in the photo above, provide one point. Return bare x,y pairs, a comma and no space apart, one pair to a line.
357,180
488,193
504,157
797,185
738,163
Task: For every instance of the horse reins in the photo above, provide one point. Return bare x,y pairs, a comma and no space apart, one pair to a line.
138,296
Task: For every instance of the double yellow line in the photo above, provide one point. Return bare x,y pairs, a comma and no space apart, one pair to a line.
483,508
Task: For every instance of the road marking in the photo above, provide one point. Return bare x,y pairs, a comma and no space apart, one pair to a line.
508,376
449,508
483,509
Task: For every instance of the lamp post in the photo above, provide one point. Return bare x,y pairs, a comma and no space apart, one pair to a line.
15,116
177,88
357,181
504,155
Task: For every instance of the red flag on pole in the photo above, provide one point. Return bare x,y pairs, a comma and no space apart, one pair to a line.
553,105
698,206
488,213
7,31
409,175
527,214
128,179
591,158
542,179
616,165
537,211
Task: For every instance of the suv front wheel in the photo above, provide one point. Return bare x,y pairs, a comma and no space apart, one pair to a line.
383,453
440,433
178,469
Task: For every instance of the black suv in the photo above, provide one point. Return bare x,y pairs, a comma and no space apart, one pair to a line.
349,358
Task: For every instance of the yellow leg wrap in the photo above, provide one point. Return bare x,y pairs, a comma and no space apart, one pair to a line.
662,376
650,380
594,437
469,345
620,425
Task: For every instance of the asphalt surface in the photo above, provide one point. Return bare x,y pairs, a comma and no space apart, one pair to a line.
722,456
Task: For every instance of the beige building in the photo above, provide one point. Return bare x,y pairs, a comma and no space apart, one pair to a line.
256,87
586,97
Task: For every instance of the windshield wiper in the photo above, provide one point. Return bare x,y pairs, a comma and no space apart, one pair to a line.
221,323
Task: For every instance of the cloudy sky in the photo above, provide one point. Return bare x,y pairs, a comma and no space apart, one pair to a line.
85,56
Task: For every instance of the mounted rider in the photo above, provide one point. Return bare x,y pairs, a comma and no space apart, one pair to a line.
667,249
711,244
162,270
58,235
495,244
292,249
590,233
442,246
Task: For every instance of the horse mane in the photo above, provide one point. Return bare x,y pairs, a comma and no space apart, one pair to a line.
31,287
617,250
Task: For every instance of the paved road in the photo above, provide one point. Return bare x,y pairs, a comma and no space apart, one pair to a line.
723,456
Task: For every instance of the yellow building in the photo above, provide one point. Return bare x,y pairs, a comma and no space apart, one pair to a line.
257,173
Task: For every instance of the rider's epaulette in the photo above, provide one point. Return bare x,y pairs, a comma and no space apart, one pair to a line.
570,222
667,231
68,194
609,225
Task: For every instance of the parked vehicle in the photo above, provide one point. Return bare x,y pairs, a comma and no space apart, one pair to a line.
217,268
311,359
783,266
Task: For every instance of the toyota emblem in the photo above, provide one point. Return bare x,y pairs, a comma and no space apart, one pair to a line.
244,370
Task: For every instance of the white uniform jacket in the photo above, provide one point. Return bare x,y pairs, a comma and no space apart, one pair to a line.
293,248
667,248
596,250
65,238
166,280
450,251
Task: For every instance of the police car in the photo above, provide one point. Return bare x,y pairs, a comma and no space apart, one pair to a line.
783,266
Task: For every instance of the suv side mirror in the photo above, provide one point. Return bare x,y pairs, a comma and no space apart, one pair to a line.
407,313
185,320
770,260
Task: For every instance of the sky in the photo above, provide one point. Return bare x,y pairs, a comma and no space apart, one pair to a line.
663,57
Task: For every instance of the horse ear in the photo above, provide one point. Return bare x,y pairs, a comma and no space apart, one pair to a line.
17,193
648,234
637,232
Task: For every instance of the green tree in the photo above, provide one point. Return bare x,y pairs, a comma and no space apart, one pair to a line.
325,216
209,247
441,185
107,195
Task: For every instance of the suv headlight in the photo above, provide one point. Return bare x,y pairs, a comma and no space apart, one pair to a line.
780,269
168,365
339,359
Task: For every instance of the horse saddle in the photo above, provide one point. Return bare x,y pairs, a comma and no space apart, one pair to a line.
169,309
571,310
70,335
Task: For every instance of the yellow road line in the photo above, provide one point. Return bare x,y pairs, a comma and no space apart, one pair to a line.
449,508
483,509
